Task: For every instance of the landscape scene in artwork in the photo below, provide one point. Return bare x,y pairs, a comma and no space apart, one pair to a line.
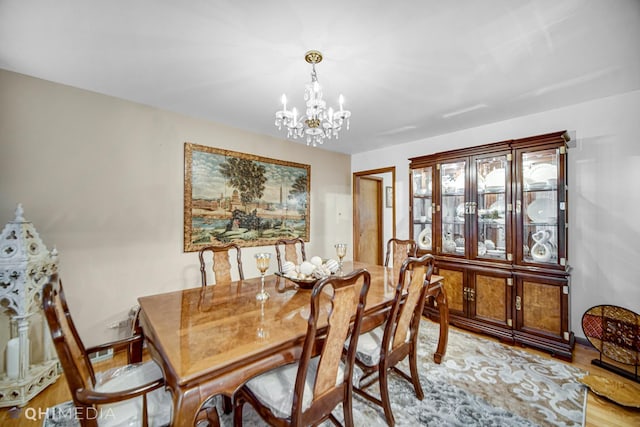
244,199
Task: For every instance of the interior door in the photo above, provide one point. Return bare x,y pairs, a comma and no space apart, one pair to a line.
368,219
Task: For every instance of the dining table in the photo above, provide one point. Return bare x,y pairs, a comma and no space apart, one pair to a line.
211,339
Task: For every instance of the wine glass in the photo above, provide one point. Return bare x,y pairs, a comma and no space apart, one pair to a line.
341,251
262,262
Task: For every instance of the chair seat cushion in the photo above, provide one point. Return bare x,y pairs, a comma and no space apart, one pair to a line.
129,412
368,351
369,344
275,388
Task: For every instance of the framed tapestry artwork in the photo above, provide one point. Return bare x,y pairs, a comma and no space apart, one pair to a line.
242,198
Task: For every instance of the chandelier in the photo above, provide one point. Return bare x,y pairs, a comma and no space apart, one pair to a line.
318,123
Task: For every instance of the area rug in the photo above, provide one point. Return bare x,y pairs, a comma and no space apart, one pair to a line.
479,383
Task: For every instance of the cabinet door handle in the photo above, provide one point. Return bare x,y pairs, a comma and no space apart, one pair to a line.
518,303
470,208
518,206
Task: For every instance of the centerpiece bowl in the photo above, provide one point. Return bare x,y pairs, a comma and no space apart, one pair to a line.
302,283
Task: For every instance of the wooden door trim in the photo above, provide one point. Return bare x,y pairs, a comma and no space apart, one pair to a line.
355,214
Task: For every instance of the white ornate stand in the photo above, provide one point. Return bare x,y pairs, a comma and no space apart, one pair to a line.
25,267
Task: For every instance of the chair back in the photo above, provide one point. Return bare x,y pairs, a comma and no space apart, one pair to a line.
219,256
347,296
404,317
71,351
400,250
293,251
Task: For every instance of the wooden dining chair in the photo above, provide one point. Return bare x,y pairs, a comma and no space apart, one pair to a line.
219,256
398,250
382,348
307,391
131,395
293,251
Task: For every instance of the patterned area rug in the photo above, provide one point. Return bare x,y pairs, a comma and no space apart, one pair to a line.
479,383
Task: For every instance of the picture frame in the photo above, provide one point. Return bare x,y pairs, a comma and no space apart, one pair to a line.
242,198
388,197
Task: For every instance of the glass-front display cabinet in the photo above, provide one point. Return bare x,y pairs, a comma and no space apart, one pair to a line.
495,217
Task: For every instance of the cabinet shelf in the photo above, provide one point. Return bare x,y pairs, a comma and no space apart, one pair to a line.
498,222
538,190
454,222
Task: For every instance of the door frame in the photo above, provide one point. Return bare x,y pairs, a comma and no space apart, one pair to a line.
356,213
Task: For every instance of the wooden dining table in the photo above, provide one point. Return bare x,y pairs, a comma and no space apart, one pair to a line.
210,340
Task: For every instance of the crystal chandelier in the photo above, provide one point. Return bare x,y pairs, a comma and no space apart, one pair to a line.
319,123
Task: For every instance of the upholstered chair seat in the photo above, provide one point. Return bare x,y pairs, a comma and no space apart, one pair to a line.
129,412
369,344
275,388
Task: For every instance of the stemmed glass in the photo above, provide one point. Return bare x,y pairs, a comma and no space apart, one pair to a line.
262,262
341,251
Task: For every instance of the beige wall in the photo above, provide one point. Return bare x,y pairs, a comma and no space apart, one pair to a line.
102,180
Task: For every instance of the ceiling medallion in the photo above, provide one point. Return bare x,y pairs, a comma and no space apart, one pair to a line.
318,123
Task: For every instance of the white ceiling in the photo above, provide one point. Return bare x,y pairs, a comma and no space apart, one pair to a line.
408,69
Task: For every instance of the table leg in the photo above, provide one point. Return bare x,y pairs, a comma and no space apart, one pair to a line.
437,291
187,409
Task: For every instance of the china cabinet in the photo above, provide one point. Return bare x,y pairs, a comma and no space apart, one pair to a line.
495,217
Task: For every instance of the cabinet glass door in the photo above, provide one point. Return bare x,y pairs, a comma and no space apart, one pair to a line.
540,206
423,207
453,207
492,195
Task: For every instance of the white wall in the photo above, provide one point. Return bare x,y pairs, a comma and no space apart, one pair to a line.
102,180
604,172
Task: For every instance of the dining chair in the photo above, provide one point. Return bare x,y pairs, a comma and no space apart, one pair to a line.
219,256
307,391
293,251
133,394
382,348
399,250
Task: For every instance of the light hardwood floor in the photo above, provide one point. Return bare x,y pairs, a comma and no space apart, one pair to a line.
600,411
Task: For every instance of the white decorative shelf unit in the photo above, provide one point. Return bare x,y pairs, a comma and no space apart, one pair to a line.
25,267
